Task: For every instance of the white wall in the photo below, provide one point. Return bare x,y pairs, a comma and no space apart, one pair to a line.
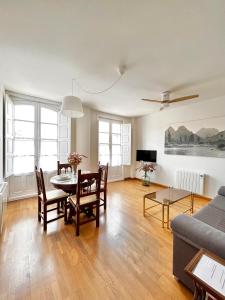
150,135
80,137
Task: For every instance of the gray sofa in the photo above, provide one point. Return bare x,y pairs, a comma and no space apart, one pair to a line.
205,229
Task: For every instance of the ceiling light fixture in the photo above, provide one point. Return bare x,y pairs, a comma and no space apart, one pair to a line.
72,106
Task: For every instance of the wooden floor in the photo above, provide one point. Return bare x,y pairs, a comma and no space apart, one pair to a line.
128,257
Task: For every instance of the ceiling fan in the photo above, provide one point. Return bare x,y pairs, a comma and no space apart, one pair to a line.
165,99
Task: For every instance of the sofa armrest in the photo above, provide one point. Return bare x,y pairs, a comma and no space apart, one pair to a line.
199,234
221,191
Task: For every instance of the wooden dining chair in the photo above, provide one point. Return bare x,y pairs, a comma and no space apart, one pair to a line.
86,200
63,167
103,169
49,198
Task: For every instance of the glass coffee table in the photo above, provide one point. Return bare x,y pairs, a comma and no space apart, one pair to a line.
166,198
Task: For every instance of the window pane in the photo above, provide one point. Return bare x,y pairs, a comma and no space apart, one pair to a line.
48,163
116,128
24,112
23,164
23,147
103,138
48,116
116,149
116,160
104,159
103,126
24,129
48,131
116,138
103,149
9,127
48,148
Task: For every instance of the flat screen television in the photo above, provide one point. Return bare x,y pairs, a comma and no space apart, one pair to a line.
146,155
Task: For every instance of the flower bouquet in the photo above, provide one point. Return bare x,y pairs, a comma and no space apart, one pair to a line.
147,168
74,159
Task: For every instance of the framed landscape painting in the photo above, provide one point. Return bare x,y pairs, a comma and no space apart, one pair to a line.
198,138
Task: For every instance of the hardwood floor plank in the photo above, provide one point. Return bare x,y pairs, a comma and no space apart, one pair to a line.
128,257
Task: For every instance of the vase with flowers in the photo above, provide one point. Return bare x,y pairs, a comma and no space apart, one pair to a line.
147,168
74,159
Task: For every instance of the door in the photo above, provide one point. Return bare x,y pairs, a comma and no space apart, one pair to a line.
40,136
110,147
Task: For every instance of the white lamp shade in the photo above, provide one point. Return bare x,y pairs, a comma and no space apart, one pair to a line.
72,107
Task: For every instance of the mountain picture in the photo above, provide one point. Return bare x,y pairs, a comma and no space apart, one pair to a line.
197,138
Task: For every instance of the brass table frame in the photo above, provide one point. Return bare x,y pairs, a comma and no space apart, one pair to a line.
166,204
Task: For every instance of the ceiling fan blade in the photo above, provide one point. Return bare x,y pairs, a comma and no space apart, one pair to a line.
183,98
155,101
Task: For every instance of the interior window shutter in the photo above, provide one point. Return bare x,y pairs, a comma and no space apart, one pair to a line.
126,144
1,134
8,159
64,137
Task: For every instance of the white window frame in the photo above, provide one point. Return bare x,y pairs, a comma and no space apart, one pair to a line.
22,102
110,139
125,142
37,129
54,108
63,130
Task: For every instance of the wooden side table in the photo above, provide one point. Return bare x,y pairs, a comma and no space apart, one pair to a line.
208,273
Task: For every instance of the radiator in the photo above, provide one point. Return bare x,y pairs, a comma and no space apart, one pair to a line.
190,181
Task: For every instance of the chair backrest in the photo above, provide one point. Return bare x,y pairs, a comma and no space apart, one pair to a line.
40,183
88,184
63,167
104,174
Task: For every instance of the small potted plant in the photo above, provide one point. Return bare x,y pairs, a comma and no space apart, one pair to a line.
75,159
147,168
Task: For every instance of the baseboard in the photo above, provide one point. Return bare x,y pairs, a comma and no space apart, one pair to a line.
203,197
130,178
166,186
155,183
21,197
159,184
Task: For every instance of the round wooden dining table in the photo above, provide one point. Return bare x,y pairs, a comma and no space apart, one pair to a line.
66,182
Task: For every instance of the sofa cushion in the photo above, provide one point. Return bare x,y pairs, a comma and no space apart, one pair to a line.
221,191
218,202
199,234
212,216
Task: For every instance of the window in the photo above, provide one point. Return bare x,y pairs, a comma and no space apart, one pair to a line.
23,138
36,134
35,138
116,145
110,142
104,142
48,139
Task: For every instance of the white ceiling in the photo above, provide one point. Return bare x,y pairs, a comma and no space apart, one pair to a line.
175,45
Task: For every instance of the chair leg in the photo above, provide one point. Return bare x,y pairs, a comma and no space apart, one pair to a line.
39,210
58,208
97,214
65,211
45,217
105,199
71,213
62,204
78,222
